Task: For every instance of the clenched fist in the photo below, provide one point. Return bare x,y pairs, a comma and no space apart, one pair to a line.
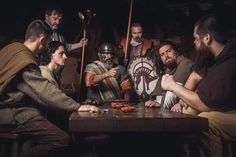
125,85
167,82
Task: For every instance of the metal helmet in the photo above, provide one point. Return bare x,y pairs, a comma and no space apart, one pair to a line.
106,48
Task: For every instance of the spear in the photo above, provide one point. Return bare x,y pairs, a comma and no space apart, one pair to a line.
128,32
86,20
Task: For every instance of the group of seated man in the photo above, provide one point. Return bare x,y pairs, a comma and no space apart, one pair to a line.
206,88
107,80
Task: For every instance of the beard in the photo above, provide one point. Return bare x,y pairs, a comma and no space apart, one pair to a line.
204,57
108,64
54,27
171,64
138,39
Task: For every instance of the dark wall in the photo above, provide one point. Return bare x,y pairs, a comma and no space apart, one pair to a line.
161,19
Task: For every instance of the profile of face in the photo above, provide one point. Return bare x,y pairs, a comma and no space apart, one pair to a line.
168,56
59,56
204,57
137,33
53,20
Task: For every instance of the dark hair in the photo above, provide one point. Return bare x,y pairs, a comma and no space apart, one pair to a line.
136,24
52,11
167,42
214,25
37,28
52,47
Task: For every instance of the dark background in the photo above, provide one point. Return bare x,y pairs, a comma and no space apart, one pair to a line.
160,18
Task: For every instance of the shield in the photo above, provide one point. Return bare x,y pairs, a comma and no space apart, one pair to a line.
143,74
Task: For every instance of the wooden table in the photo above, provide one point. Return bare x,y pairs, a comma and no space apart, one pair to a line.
143,132
142,119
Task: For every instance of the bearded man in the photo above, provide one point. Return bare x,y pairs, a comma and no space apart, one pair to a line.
104,79
170,62
212,91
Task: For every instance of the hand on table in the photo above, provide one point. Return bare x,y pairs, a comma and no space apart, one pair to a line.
179,106
151,103
89,108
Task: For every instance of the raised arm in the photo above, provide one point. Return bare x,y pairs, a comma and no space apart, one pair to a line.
93,79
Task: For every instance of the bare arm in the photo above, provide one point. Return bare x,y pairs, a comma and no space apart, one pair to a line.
92,79
188,96
192,81
190,84
79,44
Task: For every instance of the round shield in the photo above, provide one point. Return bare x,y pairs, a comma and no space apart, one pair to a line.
144,76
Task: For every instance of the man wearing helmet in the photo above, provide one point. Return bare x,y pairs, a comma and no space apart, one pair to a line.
104,79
